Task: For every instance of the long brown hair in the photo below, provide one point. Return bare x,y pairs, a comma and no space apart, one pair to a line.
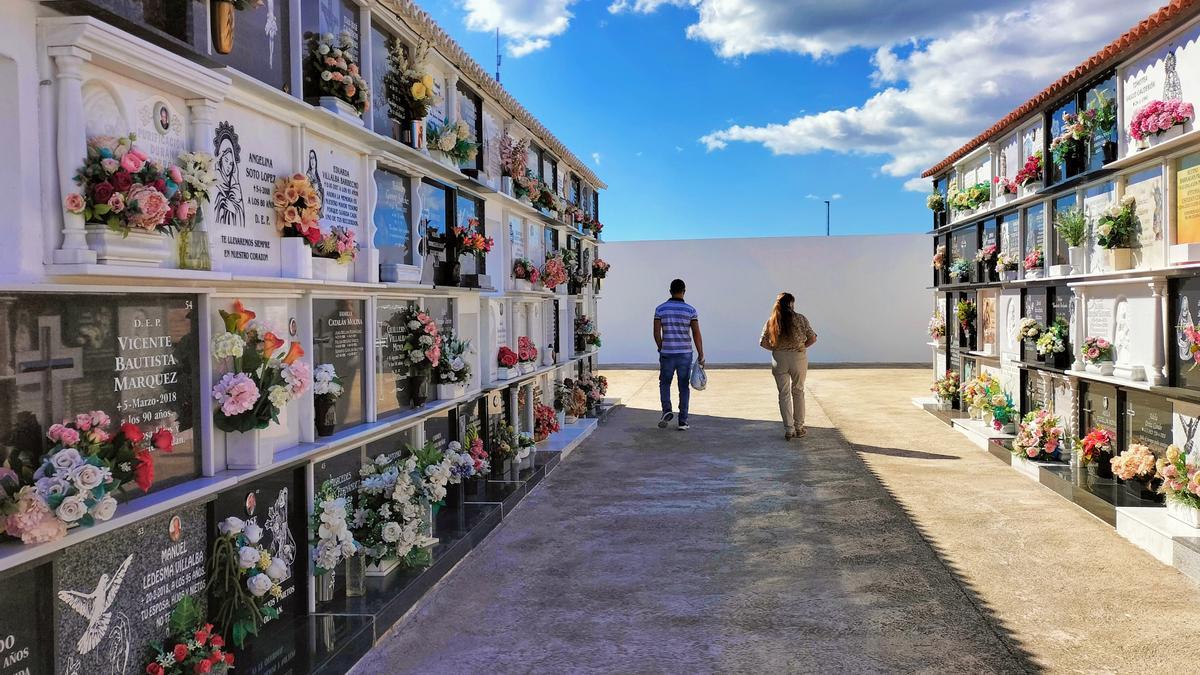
783,318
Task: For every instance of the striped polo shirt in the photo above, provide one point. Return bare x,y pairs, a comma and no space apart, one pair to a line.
676,317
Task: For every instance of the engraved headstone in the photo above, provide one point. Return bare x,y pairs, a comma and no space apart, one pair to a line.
1100,407
25,622
1149,421
1184,311
439,429
392,392
393,232
392,446
339,338
340,471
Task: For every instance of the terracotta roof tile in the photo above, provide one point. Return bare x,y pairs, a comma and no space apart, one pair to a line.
1149,29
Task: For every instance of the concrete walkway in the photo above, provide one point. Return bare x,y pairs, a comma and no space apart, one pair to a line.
726,549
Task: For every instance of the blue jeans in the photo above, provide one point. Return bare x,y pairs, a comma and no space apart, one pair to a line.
678,366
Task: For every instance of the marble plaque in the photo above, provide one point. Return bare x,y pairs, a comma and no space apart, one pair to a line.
1149,421
393,231
1171,71
25,622
336,172
161,131
1100,318
114,594
987,322
1035,305
1095,200
392,391
392,446
516,236
1187,424
1147,189
439,429
260,41
340,339
340,471
134,356
496,416
1184,311
276,502
251,152
1099,407
524,417
468,415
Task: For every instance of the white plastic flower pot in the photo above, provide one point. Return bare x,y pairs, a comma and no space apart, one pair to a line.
522,285
139,249
1077,255
329,269
1008,275
1183,513
1103,368
1033,274
562,418
246,450
449,392
1060,270
383,568
340,108
296,258
506,373
1170,134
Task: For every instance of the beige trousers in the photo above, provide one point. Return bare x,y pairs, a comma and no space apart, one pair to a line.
790,369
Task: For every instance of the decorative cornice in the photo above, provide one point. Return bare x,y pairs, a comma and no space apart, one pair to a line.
424,25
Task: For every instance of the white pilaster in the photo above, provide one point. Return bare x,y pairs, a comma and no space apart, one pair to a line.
417,235
1079,330
1158,373
368,255
203,115
452,114
71,148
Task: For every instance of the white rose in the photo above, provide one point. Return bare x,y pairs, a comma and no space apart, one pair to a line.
232,525
348,548
416,356
414,324
425,340
253,532
87,476
277,570
323,49
105,509
390,532
326,75
454,446
66,459
457,363
446,142
259,584
248,557
71,509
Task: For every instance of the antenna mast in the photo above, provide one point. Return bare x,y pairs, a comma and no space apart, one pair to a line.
497,55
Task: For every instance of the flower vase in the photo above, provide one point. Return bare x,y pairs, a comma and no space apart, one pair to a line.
341,108
326,415
1118,259
139,249
356,579
224,17
382,568
522,285
449,392
246,450
1185,514
570,419
561,417
503,373
1033,274
1110,151
1101,368
323,585
409,132
1008,275
296,257
455,495
447,273
329,269
1077,255
506,185
1031,187
417,395
1170,134
1008,428
1145,489
192,248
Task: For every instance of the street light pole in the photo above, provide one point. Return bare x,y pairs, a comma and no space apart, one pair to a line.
826,217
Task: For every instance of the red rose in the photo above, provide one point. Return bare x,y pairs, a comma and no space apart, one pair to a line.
313,235
229,659
201,637
181,652
122,181
154,669
143,472
204,666
161,186
102,192
217,641
132,433
216,656
163,440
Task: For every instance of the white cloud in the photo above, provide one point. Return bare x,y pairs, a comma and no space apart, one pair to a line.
527,24
596,158
638,153
835,196
942,92
678,148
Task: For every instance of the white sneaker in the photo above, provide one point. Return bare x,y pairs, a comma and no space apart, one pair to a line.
684,427
665,419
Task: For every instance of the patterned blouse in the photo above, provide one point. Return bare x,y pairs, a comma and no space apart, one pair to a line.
801,332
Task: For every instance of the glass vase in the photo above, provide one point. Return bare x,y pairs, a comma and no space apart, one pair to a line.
356,578
193,249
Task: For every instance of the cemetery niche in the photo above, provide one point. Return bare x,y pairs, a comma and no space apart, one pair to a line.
340,342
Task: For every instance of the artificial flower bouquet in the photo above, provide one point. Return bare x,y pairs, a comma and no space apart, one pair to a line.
193,177
525,270
193,646
452,139
546,198
339,244
1117,224
1096,448
78,476
528,186
586,332
960,269
1040,437
527,353
327,389
1138,467
937,325
1071,140
1029,329
1031,171
417,341
505,447
1053,340
526,444
1096,350
1191,337
939,258
1007,262
297,209
1004,412
936,202
986,255
594,226
946,387
1181,482
514,157
453,367
473,443
508,361
329,529
433,472
333,70
469,240
545,422
408,84
1034,260
244,580
262,378
1158,117
599,269
122,189
977,393
1005,185
388,520
554,272
964,311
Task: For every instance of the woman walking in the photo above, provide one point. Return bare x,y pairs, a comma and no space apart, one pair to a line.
789,335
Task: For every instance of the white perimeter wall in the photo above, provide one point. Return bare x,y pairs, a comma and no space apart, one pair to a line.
866,296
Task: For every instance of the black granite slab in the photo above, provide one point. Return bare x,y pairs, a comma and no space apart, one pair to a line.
310,644
505,493
548,459
1098,496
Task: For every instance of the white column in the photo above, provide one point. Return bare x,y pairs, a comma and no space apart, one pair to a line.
369,194
71,149
416,232
365,66
203,114
1079,330
1158,374
452,114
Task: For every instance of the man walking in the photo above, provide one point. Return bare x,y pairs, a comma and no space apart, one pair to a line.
676,325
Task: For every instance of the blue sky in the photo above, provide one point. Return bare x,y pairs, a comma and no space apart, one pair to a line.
856,103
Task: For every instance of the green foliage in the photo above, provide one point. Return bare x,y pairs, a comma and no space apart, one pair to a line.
1072,225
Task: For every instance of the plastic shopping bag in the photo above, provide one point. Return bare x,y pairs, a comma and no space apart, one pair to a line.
699,378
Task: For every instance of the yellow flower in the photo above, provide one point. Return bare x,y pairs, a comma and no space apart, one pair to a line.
1173,453
276,591
427,80
264,560
418,91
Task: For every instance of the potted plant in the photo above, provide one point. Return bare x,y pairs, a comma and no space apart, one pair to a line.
327,389
1004,413
1137,469
1033,263
453,369
1114,233
937,327
333,255
945,388
409,89
1030,175
1159,121
525,274
1180,487
224,21
1039,438
1097,354
1006,266
1052,344
334,78
1096,451
1072,226
297,219
507,361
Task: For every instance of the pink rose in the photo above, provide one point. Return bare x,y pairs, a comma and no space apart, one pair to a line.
110,165
74,203
152,205
83,421
100,418
132,163
54,433
116,202
176,175
68,437
183,210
